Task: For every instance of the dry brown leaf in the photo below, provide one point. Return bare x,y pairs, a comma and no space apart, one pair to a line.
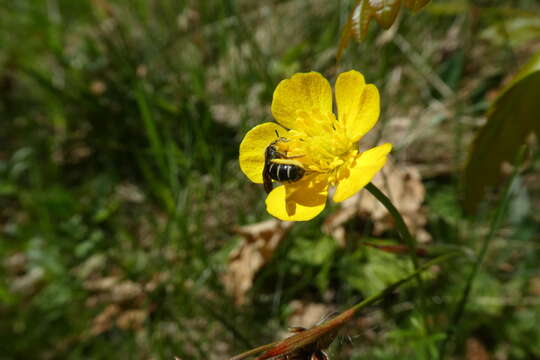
126,290
104,320
29,282
128,192
16,263
24,278
125,302
101,284
114,315
256,249
90,267
131,319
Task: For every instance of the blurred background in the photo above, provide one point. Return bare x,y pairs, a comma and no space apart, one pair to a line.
128,231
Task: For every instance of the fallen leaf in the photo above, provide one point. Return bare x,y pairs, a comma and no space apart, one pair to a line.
29,282
125,291
131,319
258,244
125,303
101,284
105,320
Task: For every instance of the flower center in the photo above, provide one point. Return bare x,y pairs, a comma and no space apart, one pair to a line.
319,143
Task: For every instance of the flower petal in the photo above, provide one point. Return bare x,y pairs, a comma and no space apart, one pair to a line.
253,146
308,92
299,201
363,169
358,104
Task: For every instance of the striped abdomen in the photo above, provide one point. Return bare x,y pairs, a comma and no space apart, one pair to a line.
285,172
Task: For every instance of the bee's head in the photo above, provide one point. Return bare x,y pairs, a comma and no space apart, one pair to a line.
271,152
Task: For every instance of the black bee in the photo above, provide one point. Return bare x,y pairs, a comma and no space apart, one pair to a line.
278,172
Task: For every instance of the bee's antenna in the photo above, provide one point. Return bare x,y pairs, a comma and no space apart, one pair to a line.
277,134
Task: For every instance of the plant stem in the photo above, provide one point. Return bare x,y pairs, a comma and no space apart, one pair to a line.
401,227
406,235
400,223
494,226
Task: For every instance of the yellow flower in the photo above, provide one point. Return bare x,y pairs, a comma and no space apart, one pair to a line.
313,138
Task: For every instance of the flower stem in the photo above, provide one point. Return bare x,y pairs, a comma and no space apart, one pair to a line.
400,223
407,237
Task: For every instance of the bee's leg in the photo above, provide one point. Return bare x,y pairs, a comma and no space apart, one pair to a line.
294,157
268,186
283,156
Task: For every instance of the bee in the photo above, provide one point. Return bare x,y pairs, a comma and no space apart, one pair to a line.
279,172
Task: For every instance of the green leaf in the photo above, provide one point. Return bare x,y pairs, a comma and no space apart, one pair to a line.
313,252
371,270
511,118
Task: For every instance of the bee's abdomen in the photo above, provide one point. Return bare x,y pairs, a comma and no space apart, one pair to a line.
285,172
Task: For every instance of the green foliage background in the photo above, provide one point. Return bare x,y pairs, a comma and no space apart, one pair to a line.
120,189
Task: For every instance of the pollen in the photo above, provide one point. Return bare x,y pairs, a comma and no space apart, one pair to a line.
319,143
